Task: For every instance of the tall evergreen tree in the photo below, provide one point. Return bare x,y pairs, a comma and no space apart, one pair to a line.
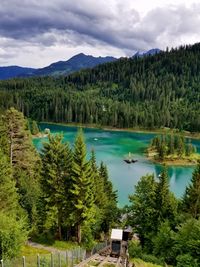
109,200
56,165
24,160
8,197
191,199
143,207
34,128
166,203
82,195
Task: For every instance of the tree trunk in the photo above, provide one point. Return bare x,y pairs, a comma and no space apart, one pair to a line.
59,226
79,233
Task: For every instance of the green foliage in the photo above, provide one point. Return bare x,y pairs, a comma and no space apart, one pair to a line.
13,234
24,160
166,203
56,164
187,239
82,195
34,128
143,207
134,249
8,197
163,243
153,214
191,200
186,260
152,259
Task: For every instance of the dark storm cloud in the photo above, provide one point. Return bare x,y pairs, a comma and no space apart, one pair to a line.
52,22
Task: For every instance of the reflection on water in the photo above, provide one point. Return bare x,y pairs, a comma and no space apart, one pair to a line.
111,147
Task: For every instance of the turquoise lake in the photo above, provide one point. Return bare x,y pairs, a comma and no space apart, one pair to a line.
111,148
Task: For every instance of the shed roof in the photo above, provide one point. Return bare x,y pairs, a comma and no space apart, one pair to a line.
116,234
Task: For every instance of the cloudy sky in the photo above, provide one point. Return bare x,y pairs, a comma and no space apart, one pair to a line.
36,33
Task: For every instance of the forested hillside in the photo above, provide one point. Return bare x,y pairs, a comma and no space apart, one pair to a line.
155,91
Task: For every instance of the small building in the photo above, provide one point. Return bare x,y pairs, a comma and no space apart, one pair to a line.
116,242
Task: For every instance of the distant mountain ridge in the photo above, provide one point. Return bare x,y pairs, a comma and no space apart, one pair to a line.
14,71
76,63
150,52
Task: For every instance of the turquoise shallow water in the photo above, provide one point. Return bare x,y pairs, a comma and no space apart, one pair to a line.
112,146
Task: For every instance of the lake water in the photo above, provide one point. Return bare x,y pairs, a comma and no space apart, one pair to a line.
111,148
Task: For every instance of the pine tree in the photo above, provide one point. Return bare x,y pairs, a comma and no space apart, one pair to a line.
191,200
13,229
24,160
108,201
98,183
8,197
56,166
82,195
165,201
34,128
143,207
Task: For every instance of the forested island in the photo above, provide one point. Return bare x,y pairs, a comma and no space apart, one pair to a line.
172,149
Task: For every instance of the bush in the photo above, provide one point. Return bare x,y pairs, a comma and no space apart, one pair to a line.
186,260
152,259
87,237
13,234
134,249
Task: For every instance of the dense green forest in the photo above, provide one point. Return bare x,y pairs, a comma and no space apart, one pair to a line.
57,194
60,193
150,92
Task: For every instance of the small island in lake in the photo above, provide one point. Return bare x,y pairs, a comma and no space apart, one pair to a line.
172,149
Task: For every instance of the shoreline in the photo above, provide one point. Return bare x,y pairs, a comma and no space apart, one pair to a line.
181,162
195,135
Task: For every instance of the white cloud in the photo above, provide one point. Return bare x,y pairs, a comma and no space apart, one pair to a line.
37,33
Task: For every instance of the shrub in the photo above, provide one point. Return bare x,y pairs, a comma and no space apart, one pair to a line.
134,249
186,260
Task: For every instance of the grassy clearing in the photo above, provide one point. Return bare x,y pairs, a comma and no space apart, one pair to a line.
61,245
141,263
64,245
31,251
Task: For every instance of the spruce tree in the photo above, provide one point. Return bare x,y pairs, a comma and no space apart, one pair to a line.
34,128
98,185
166,203
108,201
8,197
82,195
143,208
191,199
13,229
56,166
24,159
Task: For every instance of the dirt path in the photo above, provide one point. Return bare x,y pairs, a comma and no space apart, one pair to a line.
50,249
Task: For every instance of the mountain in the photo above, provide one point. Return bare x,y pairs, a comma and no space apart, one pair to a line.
150,52
76,63
14,71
